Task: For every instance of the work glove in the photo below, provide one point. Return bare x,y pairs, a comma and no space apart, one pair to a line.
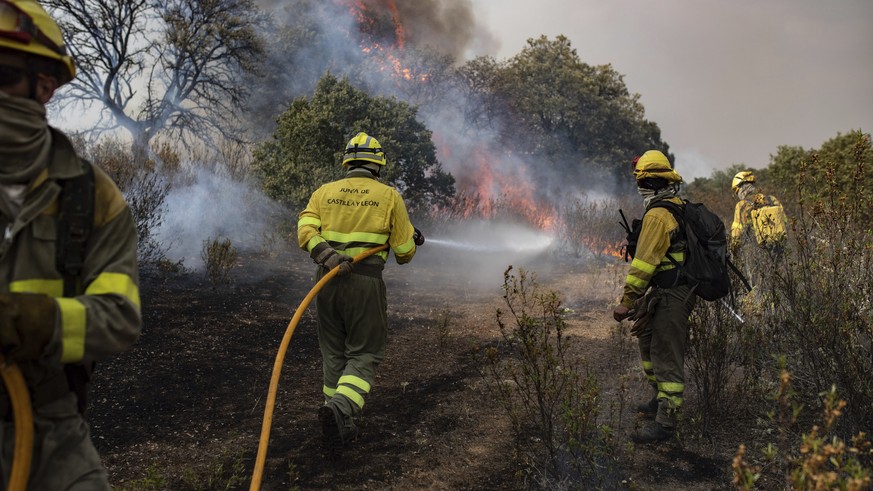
644,309
417,237
27,323
326,256
620,313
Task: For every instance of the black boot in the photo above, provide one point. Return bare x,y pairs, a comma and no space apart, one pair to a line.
653,432
336,429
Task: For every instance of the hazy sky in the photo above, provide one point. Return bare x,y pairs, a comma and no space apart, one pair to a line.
727,81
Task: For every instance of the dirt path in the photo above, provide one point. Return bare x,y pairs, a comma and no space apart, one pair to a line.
183,410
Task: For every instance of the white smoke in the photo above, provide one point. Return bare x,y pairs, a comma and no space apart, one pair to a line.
211,207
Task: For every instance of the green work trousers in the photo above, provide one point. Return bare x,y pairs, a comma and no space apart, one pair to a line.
662,349
352,333
63,455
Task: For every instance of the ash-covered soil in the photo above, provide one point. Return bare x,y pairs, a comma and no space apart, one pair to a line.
184,408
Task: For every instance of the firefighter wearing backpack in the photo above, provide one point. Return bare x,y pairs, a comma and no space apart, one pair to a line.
344,218
756,215
657,298
44,328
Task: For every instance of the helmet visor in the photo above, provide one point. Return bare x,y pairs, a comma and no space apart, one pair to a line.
18,25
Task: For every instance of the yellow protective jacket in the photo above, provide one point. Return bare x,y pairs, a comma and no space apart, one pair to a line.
355,214
105,318
659,237
743,215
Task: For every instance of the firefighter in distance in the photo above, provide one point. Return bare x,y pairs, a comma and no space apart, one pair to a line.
757,217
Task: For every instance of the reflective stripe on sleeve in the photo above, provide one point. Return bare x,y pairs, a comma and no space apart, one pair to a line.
315,222
116,284
643,266
405,248
73,321
314,242
52,288
636,282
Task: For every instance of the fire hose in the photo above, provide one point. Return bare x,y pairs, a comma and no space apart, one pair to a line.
19,399
277,367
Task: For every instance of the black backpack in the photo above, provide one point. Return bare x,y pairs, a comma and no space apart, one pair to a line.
706,264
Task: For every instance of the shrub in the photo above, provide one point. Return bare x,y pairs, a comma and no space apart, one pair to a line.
146,197
592,227
715,353
143,186
551,399
810,307
817,297
819,459
219,257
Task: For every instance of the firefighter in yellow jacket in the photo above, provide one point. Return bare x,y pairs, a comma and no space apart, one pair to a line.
49,320
344,218
757,216
658,298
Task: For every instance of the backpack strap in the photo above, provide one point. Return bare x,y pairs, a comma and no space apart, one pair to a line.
739,274
677,211
75,221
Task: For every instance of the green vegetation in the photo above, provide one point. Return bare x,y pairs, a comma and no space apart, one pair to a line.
561,111
808,326
549,395
219,255
306,149
792,378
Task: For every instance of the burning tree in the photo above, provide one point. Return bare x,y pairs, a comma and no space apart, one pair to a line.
153,66
306,149
576,120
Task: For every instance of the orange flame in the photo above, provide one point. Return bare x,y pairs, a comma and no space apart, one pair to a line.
370,19
601,248
497,189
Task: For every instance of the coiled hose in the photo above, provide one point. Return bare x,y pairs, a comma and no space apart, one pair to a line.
22,413
277,367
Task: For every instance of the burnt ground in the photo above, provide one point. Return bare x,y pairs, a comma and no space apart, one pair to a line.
183,409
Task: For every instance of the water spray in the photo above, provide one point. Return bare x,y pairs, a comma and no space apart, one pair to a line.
529,244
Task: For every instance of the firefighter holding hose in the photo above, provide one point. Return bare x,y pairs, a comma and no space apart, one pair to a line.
344,218
68,272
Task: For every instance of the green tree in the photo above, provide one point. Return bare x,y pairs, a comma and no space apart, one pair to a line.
306,148
715,190
841,160
550,105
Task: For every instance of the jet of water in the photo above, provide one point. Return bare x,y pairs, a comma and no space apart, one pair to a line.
529,245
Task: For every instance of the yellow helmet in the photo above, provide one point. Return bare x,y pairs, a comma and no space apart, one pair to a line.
741,178
364,147
654,164
25,26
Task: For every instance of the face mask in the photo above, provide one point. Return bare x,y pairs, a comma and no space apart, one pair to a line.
24,139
